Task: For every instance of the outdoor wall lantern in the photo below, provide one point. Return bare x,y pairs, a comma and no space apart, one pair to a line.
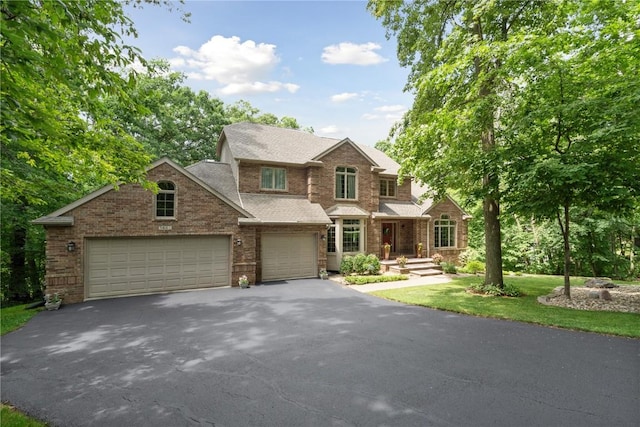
71,246
238,242
323,237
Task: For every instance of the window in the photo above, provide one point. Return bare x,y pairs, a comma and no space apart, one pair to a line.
445,232
273,179
351,235
387,188
346,183
166,200
331,238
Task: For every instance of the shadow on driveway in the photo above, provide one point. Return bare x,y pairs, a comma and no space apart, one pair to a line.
309,352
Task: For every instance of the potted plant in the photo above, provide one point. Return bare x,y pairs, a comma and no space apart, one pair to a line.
52,301
437,258
243,281
419,250
323,274
387,250
402,261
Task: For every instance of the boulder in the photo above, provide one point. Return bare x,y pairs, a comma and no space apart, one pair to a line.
599,282
594,294
605,295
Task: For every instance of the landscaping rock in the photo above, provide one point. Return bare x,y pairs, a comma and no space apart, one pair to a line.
594,294
605,295
599,282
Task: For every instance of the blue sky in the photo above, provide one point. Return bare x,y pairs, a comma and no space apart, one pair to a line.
326,63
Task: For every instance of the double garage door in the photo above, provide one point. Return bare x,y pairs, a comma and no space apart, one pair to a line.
289,256
147,265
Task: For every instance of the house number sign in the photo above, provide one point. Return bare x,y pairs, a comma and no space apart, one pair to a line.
164,227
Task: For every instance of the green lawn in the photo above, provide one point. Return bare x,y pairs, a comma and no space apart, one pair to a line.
14,317
11,417
452,297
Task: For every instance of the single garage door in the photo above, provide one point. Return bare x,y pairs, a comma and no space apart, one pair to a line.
288,256
148,265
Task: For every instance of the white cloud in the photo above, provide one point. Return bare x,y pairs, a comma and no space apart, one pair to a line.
257,87
350,53
240,67
331,129
368,116
342,97
391,108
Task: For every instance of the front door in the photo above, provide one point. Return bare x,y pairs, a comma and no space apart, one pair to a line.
389,234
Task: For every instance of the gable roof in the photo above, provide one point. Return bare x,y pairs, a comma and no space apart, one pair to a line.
269,144
58,217
346,141
417,191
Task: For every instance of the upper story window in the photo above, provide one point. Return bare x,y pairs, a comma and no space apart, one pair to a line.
346,183
387,188
166,200
444,232
273,179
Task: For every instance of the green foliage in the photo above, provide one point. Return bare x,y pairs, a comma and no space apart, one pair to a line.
507,290
363,280
449,267
360,264
174,121
473,267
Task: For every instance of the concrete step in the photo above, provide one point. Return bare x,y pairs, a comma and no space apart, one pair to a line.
422,273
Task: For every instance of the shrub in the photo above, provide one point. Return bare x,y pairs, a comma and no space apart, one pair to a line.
360,264
449,267
473,267
361,280
437,258
346,265
482,289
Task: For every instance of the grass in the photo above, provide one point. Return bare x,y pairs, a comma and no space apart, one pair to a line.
10,417
12,318
453,297
363,280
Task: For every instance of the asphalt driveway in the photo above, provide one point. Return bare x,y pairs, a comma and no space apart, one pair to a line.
310,353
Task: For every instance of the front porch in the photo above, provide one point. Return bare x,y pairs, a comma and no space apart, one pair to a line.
418,267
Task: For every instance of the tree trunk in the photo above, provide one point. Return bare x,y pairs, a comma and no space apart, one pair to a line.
492,241
564,227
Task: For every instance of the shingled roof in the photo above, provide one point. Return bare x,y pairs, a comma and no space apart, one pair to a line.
270,144
272,209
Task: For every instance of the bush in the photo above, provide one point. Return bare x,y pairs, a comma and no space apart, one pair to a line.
361,280
360,264
482,289
473,267
449,267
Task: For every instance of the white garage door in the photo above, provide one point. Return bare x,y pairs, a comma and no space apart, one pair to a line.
147,265
289,256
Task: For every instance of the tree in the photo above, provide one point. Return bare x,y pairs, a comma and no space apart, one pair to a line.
459,55
573,130
59,60
177,122
242,111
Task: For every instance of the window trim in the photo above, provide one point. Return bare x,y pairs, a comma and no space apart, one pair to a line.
388,181
173,192
359,227
346,174
273,180
445,222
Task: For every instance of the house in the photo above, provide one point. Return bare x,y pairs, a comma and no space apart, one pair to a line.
279,204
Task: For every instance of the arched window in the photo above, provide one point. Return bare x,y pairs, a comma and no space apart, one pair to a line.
444,232
166,200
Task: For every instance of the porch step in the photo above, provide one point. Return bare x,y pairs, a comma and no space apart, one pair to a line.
428,272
